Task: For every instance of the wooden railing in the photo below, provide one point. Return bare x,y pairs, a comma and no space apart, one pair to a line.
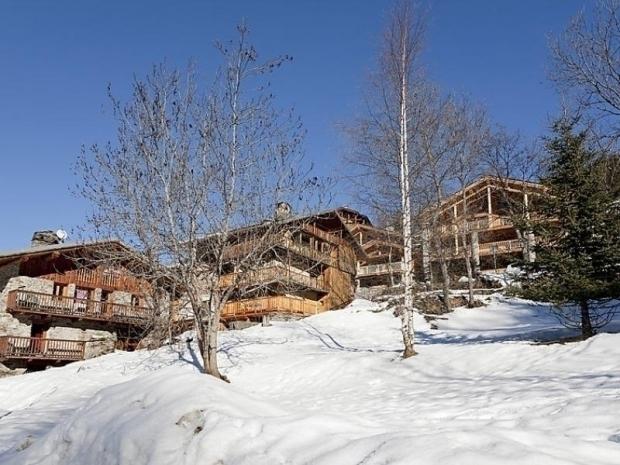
18,347
321,234
280,274
271,304
35,302
98,278
381,268
307,251
513,245
480,224
252,246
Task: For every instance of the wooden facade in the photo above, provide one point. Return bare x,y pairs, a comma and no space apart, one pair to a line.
483,213
484,210
50,289
306,267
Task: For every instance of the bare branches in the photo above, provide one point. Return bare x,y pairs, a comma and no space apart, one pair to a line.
191,165
586,61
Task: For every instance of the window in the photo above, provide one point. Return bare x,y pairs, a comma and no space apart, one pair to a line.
60,289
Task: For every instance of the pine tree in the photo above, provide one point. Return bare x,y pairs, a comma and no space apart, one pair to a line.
577,225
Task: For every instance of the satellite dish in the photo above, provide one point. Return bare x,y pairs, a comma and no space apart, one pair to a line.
61,234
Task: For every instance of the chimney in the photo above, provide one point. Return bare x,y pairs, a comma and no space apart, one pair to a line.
283,211
40,238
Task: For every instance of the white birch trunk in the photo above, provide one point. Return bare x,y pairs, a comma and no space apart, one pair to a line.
407,313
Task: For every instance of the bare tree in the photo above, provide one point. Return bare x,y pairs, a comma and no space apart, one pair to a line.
382,160
436,143
188,169
402,45
512,160
471,133
586,61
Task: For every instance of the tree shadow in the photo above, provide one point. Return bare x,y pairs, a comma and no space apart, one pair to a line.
331,343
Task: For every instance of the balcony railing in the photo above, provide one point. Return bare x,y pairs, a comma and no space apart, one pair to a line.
306,251
280,274
270,304
324,235
253,246
18,347
98,278
381,268
21,301
479,224
513,245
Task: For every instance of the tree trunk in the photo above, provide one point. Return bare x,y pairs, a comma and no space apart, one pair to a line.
405,196
210,348
467,249
445,275
206,333
470,275
586,323
406,319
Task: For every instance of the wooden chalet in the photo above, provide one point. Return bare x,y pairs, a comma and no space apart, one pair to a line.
56,308
485,210
380,263
306,266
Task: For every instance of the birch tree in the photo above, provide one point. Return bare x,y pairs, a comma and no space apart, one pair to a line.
401,48
381,138
192,163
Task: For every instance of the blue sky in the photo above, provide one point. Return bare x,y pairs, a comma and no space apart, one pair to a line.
56,58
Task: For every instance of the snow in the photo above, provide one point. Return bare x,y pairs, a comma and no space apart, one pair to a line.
332,390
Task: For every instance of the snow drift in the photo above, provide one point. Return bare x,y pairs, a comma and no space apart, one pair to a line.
331,390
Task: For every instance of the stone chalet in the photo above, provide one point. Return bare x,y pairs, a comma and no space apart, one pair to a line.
55,308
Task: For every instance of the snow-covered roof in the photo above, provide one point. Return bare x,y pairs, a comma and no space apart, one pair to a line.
9,255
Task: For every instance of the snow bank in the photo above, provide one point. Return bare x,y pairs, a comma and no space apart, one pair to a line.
331,389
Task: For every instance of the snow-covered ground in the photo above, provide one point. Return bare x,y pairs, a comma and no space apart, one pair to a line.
332,390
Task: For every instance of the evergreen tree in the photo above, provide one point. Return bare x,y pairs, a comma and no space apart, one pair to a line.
577,226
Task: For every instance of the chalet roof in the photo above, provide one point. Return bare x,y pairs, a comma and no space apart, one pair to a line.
12,255
325,213
293,219
492,180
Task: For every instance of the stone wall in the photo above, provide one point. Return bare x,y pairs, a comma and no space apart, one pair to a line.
98,342
7,272
8,324
121,297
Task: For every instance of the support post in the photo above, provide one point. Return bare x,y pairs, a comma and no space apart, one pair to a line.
455,229
475,252
489,203
426,256
529,254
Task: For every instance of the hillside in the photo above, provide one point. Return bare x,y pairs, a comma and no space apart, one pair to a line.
331,390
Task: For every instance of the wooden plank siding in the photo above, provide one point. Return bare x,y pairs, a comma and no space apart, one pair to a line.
28,302
260,306
98,278
275,274
18,347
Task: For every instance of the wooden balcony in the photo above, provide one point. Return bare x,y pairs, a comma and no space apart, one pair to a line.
270,304
380,269
307,251
275,274
98,278
277,240
479,223
323,235
32,348
36,303
501,247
